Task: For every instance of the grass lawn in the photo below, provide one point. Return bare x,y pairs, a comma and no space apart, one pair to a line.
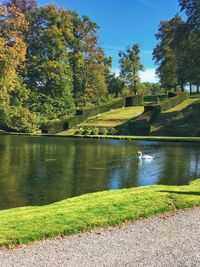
109,119
114,117
182,105
159,126
23,225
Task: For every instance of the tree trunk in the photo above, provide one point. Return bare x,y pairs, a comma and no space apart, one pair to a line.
175,89
197,88
190,89
182,87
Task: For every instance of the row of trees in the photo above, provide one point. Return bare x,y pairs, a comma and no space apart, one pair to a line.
178,52
50,62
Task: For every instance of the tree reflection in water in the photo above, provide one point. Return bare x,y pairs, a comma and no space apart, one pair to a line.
42,170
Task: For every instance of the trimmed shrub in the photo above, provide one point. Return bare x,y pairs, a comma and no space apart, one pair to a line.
173,101
153,98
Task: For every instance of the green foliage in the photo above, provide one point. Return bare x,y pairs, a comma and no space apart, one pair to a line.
95,131
164,54
178,53
148,88
173,101
88,62
25,6
182,120
192,10
60,125
18,119
130,66
48,70
153,98
115,84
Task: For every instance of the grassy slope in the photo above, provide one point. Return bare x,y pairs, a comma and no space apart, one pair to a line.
70,216
159,126
110,119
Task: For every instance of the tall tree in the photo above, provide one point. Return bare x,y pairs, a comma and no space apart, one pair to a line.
130,66
164,54
192,40
192,10
13,26
88,62
24,6
48,69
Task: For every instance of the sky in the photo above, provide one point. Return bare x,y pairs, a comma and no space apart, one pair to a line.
123,23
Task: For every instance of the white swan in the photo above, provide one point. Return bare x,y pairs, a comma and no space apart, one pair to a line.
144,156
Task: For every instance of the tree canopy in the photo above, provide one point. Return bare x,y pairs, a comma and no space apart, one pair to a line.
178,52
130,66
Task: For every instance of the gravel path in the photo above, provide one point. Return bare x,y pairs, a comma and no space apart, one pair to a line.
171,240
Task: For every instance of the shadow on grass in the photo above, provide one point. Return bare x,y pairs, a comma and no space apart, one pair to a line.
182,192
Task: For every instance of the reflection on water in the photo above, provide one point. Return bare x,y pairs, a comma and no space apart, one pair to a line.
38,171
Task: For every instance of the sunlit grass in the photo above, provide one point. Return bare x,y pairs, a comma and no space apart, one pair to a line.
22,225
188,120
182,105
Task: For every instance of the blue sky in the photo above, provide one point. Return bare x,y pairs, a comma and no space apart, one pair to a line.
124,22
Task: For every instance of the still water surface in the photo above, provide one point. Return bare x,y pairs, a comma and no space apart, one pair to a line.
42,170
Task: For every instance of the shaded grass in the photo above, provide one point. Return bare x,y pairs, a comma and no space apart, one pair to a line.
22,225
182,105
180,120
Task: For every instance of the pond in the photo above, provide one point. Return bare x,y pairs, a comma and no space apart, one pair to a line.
43,170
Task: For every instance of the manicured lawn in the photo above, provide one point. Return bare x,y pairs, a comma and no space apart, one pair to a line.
176,122
22,225
115,117
182,105
109,119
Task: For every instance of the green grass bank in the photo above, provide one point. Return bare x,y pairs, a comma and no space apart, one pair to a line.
79,214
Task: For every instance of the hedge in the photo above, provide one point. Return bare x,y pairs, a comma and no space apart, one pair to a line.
153,98
82,115
141,126
173,101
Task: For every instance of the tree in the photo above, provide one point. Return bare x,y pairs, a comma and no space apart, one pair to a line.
192,10
130,66
48,69
164,54
24,6
13,26
115,85
148,88
191,41
88,62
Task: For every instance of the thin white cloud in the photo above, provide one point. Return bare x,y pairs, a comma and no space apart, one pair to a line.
149,3
116,71
148,75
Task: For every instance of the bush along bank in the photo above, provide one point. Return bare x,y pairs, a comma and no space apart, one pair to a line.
96,131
